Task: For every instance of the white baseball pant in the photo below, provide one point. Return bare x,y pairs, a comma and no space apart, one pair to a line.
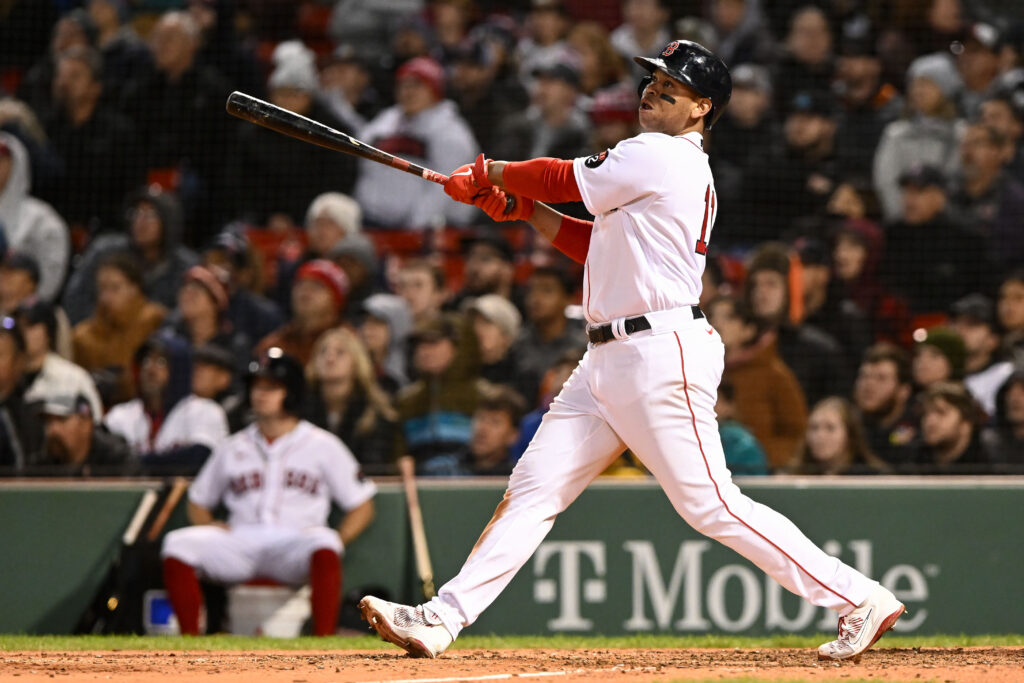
653,392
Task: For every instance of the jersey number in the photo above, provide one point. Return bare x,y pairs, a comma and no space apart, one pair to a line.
709,218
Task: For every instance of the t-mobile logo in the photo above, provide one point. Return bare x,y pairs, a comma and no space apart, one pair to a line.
569,590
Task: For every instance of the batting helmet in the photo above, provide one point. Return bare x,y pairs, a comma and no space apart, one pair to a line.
279,367
697,67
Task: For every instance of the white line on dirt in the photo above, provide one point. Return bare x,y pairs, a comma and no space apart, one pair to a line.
490,677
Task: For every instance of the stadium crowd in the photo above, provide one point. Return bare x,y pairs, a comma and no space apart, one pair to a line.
866,269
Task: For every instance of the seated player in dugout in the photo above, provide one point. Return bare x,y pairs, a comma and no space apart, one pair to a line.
277,478
649,378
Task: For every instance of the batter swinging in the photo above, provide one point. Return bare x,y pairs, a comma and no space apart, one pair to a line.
649,379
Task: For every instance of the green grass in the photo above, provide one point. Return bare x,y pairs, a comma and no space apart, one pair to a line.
10,643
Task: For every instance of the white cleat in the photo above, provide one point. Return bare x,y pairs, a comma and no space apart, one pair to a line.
413,629
859,629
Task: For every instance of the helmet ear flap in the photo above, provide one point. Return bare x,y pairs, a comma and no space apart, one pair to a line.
644,82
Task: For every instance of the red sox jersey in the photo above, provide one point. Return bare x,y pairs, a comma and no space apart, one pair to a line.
653,199
289,482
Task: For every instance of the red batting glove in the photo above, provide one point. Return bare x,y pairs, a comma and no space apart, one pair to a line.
460,186
496,204
480,172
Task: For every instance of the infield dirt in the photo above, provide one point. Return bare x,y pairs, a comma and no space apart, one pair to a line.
963,665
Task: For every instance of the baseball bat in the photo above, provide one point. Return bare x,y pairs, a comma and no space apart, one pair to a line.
407,468
171,502
299,127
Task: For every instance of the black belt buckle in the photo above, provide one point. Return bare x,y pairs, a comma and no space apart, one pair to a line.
603,333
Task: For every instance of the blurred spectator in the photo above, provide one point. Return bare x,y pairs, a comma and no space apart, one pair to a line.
835,442
550,386
548,333
153,239
123,319
808,62
496,323
769,400
47,374
124,55
1004,111
435,412
939,356
643,32
25,31
1004,440
974,318
384,330
978,63
450,20
220,47
930,257
319,296
495,432
743,454
803,170
824,306
1010,310
75,443
178,108
201,315
96,145
168,428
990,200
928,135
31,225
613,117
20,429
73,29
882,393
489,269
553,125
950,433
346,88
601,66
868,104
251,313
422,285
423,128
356,255
345,399
544,46
813,355
283,175
19,280
214,370
483,100
743,35
368,25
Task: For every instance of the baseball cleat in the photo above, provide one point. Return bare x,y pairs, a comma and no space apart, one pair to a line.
416,631
862,627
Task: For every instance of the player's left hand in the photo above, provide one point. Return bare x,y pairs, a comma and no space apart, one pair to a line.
501,206
460,185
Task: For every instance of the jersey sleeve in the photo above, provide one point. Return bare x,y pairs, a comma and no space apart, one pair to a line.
630,170
344,477
209,485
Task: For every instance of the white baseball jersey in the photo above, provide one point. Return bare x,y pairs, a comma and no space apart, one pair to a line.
287,483
654,204
192,421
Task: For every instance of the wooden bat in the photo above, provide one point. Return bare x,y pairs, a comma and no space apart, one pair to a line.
294,125
177,491
407,468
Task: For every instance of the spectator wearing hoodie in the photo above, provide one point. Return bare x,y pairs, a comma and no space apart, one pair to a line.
249,312
166,426
30,225
385,329
153,239
426,129
106,343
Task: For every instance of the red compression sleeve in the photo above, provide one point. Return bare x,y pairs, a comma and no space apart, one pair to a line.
545,179
573,238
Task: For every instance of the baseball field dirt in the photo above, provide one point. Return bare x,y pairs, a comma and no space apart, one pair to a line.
959,664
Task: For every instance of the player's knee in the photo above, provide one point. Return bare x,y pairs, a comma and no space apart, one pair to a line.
324,538
187,544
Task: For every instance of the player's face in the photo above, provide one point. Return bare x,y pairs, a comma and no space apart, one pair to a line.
660,116
930,366
267,398
1011,305
874,392
826,435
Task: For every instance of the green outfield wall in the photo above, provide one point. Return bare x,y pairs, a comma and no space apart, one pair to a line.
618,561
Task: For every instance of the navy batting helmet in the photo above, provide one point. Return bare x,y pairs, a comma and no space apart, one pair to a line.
696,66
279,367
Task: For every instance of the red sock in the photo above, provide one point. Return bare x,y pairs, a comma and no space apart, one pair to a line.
325,580
184,593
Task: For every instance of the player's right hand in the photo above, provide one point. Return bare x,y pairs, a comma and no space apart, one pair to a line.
495,203
460,185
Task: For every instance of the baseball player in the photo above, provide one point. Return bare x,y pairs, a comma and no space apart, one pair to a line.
649,379
277,479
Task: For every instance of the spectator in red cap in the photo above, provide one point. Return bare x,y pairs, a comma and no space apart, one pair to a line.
614,117
426,129
319,296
